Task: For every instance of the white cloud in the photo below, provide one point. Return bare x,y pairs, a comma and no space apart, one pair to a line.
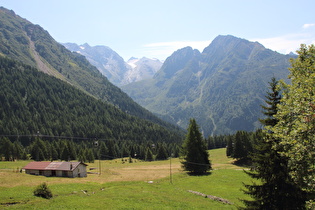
308,25
287,43
282,44
164,49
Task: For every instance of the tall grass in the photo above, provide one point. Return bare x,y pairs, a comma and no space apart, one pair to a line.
128,186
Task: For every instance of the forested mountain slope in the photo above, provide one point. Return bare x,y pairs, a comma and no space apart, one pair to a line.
32,102
31,44
222,87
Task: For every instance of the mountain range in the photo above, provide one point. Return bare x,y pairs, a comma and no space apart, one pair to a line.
221,87
31,45
113,66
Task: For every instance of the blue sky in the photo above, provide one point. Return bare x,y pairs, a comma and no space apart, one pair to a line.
156,28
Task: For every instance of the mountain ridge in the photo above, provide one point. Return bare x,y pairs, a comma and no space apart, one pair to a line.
222,87
113,66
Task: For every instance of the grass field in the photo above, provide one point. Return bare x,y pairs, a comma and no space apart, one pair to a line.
137,185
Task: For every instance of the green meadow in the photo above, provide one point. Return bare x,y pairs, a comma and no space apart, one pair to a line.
118,184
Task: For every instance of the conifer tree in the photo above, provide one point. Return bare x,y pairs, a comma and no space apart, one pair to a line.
194,151
161,153
148,155
229,147
276,189
103,152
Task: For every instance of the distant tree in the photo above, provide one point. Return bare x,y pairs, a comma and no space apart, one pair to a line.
149,155
103,152
229,147
276,189
161,153
7,149
89,156
194,151
82,155
211,143
242,145
18,151
112,149
65,153
39,150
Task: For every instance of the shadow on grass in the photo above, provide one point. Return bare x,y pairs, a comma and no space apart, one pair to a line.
245,162
199,174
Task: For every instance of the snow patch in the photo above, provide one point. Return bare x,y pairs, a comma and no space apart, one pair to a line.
132,62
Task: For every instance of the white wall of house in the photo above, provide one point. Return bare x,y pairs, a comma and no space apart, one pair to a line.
80,171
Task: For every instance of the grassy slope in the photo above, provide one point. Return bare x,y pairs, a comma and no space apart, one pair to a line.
126,185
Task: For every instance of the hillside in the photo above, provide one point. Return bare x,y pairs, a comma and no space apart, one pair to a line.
222,87
32,45
33,102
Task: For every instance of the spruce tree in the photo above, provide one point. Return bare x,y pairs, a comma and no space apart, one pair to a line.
148,155
194,151
276,189
161,153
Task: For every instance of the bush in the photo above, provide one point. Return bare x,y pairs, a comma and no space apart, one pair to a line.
43,191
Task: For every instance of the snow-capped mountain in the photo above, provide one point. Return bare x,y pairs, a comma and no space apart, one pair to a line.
143,68
113,66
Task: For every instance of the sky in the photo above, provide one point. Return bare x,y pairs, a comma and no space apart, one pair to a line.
157,28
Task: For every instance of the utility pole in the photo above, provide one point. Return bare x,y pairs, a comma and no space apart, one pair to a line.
96,144
171,179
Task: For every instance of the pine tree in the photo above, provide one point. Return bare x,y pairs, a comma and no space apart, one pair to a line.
194,151
149,155
103,152
161,153
276,189
229,147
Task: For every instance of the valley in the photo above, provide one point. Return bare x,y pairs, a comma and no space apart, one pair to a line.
248,111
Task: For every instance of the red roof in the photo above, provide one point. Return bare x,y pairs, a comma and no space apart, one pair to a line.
55,166
37,165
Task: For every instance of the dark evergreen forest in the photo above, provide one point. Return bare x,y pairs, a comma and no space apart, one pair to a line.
35,103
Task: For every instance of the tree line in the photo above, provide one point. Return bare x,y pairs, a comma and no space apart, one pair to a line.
85,150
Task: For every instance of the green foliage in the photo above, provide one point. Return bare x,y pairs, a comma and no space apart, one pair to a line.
273,98
43,191
194,151
276,188
161,152
295,129
240,145
149,155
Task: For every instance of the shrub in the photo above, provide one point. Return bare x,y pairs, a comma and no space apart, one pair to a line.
43,191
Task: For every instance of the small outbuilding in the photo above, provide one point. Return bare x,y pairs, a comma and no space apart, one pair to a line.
59,169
